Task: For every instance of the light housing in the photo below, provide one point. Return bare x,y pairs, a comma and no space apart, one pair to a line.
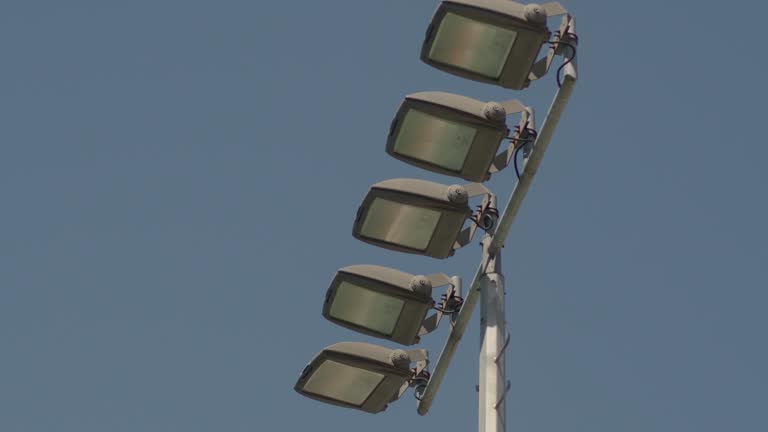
491,41
356,375
382,302
449,134
414,216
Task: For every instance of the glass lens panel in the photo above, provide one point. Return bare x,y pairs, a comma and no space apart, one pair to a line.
472,45
343,383
401,224
432,139
366,308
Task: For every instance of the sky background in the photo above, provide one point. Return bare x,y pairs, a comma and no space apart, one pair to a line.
178,181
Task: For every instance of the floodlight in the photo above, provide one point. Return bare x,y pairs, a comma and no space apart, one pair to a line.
360,375
450,134
384,302
416,216
491,41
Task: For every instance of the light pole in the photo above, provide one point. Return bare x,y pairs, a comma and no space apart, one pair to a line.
491,41
492,244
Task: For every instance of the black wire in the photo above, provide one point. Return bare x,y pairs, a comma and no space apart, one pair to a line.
420,381
517,150
459,301
420,397
514,157
565,63
476,220
521,140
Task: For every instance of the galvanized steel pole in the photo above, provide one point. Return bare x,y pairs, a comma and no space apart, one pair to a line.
492,386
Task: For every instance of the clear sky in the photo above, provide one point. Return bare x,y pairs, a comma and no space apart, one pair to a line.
178,181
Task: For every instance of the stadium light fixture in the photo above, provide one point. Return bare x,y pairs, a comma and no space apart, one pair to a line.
452,134
491,41
361,376
417,216
387,303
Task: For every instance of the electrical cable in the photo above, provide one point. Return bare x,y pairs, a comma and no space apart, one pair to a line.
514,157
458,301
419,382
567,61
420,388
418,397
446,311
517,149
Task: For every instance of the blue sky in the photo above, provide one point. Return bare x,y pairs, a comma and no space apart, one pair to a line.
178,182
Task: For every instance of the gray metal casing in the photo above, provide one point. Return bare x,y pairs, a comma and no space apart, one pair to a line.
366,356
391,282
531,36
459,109
420,193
